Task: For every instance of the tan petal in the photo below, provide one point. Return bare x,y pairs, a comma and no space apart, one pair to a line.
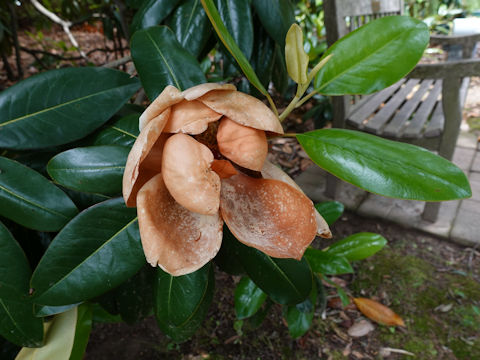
187,174
190,117
196,91
168,97
271,171
243,109
268,215
148,142
178,240
243,145
223,168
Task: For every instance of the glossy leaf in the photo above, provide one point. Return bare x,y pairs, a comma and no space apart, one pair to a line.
14,268
82,331
60,333
231,46
59,106
295,55
300,317
160,61
29,199
182,302
237,17
45,310
327,264
276,16
263,55
152,12
330,210
249,298
358,246
228,258
190,24
368,59
123,132
378,312
286,281
279,71
385,167
95,252
94,169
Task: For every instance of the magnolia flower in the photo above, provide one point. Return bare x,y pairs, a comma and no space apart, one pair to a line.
200,160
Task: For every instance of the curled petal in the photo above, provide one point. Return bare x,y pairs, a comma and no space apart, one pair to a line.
187,174
144,160
243,145
196,91
243,109
270,171
224,168
268,215
190,117
168,97
176,239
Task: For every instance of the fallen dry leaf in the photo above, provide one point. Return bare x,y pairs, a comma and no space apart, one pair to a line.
378,312
361,328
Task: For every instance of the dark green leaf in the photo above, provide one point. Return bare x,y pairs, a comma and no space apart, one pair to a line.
330,210
286,281
100,315
299,317
182,302
256,320
237,17
385,167
8,351
321,295
358,246
160,61
18,324
191,26
341,293
152,12
82,331
227,258
60,106
134,298
328,264
279,72
263,56
276,16
95,252
123,132
94,169
45,310
29,199
231,46
14,268
248,298
373,57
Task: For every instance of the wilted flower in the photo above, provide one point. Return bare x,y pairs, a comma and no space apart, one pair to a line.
180,176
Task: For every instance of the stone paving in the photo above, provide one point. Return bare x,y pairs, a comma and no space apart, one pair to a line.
458,220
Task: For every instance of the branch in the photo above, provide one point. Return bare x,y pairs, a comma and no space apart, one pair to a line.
65,58
65,25
118,62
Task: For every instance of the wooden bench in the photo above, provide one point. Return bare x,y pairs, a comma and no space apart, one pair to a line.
425,108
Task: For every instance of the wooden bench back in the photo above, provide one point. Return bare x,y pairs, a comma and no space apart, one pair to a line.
344,16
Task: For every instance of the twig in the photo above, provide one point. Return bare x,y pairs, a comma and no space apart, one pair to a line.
60,57
15,40
118,62
65,25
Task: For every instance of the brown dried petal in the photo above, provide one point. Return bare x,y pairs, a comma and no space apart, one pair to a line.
243,145
268,215
147,143
270,171
178,240
168,97
223,168
187,174
196,91
243,109
190,117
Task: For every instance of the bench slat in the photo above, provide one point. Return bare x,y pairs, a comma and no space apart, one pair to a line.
398,122
415,126
385,113
435,125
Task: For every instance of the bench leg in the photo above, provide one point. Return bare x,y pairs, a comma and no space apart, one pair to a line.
431,211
